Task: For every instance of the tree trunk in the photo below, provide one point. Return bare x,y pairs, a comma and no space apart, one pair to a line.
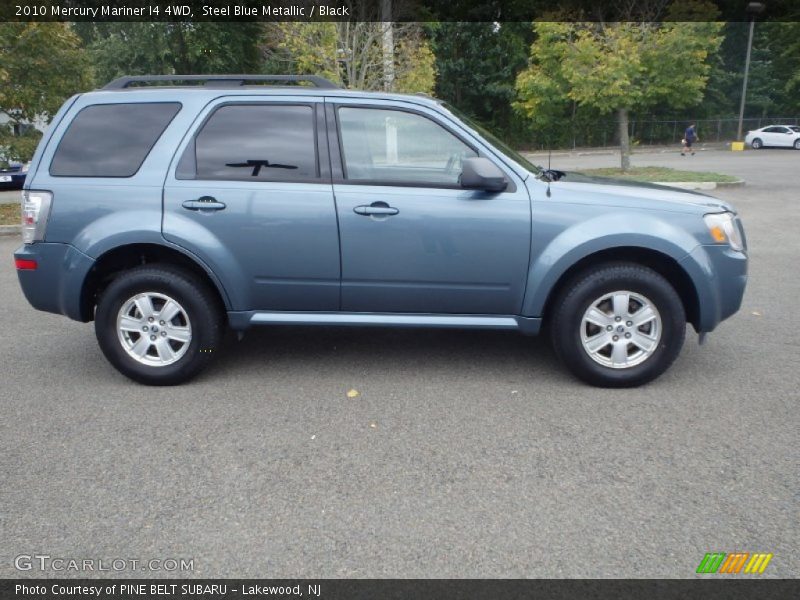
624,140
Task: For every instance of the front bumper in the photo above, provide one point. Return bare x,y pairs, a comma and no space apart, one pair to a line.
720,277
57,282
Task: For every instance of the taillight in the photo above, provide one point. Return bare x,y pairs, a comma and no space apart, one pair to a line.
25,264
35,211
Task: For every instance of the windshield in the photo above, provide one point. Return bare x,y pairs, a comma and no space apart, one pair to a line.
499,144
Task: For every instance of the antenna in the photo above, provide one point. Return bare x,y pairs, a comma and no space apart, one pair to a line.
549,178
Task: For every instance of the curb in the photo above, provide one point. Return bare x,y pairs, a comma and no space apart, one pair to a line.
614,150
700,185
10,230
739,183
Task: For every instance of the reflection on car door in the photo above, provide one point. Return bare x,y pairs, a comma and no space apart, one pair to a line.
412,240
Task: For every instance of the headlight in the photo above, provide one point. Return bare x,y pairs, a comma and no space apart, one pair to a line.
723,229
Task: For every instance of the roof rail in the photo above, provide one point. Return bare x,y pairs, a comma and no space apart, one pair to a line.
219,80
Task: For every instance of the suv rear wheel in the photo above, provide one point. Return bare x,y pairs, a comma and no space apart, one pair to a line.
618,325
157,325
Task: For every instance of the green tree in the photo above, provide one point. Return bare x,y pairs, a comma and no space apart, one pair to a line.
477,64
41,65
351,53
774,80
776,50
617,68
172,48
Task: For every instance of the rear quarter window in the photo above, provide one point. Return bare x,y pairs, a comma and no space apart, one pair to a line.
111,140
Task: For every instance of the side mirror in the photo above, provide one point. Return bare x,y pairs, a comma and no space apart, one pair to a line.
480,173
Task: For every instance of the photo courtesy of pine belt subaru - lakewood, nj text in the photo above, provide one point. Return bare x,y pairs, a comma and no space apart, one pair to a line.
169,208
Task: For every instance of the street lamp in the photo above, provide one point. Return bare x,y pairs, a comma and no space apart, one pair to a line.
753,8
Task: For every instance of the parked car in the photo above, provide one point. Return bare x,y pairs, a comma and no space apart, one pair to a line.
787,136
12,177
166,213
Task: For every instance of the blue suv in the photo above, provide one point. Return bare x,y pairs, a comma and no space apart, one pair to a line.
169,208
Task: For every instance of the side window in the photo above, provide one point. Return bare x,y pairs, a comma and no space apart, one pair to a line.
111,140
392,146
254,142
772,130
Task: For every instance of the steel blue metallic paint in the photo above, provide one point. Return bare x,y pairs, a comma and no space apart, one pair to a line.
581,219
56,284
720,276
298,253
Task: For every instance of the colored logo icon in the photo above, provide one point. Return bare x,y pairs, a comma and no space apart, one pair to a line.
733,563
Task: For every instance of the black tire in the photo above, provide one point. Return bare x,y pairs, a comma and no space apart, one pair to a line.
797,144
589,286
757,144
200,305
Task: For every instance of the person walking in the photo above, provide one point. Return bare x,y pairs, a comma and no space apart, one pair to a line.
689,138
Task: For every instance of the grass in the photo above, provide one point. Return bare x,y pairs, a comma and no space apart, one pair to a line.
660,174
9,214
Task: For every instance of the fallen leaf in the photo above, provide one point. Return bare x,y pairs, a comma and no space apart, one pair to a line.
352,394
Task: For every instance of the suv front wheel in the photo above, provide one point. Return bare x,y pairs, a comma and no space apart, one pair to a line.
158,325
619,325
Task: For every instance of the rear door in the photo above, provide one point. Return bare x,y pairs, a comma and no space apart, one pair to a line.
250,193
413,240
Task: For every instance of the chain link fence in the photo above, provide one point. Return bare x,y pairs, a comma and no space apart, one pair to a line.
662,131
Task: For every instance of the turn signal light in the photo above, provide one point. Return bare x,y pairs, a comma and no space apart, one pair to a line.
718,235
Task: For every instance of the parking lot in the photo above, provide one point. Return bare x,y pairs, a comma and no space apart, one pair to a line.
465,453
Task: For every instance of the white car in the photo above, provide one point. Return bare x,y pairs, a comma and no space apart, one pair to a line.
787,136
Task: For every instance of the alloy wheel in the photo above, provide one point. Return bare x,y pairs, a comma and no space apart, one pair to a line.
621,329
154,329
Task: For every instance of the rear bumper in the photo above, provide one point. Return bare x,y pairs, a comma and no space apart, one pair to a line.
720,277
56,284
16,183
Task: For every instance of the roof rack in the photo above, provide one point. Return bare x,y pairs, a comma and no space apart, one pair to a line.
219,80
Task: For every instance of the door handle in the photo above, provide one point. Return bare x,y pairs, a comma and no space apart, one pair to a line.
378,209
206,203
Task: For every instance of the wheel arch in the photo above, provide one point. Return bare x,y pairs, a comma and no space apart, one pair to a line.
121,258
661,263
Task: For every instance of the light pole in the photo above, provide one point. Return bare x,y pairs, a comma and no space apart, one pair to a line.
753,9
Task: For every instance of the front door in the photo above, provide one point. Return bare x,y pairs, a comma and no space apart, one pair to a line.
412,240
251,196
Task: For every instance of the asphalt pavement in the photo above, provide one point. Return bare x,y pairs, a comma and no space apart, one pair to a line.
464,454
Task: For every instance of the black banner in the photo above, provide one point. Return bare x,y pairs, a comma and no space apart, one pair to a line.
396,589
394,10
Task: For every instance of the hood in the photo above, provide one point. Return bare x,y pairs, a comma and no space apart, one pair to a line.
576,187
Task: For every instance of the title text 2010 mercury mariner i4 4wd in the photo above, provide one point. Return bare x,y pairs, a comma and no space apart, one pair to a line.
166,208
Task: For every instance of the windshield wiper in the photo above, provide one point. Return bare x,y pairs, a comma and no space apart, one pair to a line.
257,164
550,174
